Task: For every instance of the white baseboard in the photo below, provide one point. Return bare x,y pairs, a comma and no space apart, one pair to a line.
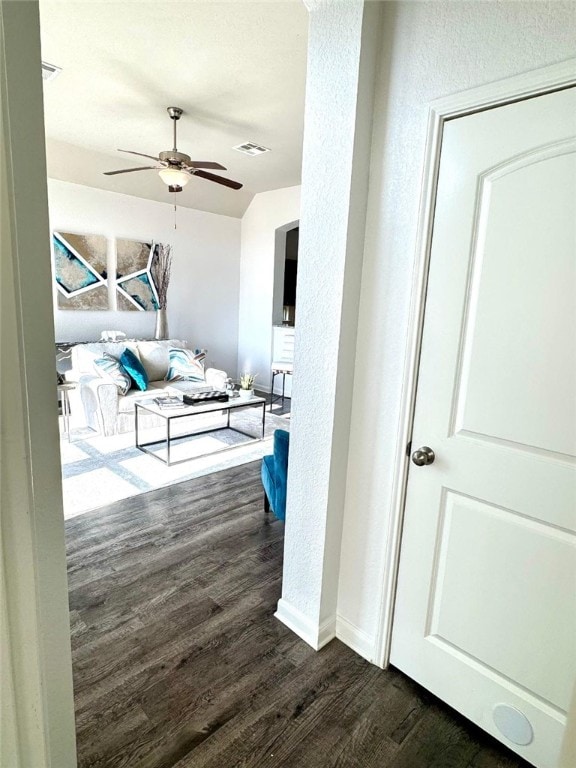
319,635
316,635
355,638
277,390
326,632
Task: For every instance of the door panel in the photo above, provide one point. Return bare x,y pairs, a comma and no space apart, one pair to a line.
480,547
499,382
486,611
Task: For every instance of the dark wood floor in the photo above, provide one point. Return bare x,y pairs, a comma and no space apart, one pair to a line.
279,408
178,661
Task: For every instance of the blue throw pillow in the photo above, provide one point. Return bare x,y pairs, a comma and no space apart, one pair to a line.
135,369
109,367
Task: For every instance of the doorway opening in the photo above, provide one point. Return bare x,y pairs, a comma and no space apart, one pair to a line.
284,315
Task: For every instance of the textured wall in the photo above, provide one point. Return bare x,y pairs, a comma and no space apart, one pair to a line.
428,50
203,293
266,212
334,186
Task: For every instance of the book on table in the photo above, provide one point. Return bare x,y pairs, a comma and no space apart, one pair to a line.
169,401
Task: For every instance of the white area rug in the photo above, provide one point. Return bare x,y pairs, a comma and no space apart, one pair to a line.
100,470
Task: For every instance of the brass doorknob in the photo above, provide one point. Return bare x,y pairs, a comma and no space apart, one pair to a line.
423,456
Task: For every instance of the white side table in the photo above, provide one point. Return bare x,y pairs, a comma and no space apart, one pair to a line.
63,394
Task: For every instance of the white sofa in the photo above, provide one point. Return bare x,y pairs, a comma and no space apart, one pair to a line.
105,409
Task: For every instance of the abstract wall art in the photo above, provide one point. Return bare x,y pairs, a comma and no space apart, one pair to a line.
80,270
134,282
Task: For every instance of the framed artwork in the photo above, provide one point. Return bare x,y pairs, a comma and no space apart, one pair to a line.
81,270
135,288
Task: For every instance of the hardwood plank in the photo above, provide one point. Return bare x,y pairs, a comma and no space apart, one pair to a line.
179,662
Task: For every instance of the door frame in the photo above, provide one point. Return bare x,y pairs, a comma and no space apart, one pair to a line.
36,660
278,280
527,85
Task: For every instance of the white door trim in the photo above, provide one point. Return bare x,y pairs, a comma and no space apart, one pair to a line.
524,86
36,695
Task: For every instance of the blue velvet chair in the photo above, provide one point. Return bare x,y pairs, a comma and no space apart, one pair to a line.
275,475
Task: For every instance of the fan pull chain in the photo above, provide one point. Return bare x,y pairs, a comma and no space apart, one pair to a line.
175,210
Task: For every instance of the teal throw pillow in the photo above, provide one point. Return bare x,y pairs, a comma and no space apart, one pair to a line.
108,367
186,365
135,368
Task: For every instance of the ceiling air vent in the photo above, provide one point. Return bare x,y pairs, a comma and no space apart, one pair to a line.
50,71
249,148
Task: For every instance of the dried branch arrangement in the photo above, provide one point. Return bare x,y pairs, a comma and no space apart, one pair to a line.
161,266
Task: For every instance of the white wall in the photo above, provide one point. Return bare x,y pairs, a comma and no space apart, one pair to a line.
266,212
36,703
204,288
343,39
428,50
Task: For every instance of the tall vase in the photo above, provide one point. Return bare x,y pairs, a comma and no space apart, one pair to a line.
161,331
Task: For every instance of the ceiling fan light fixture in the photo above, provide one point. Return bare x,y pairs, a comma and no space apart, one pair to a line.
173,177
176,167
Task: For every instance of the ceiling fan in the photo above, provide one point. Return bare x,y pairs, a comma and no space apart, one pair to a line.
176,168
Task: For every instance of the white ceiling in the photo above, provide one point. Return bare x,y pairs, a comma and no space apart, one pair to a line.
237,68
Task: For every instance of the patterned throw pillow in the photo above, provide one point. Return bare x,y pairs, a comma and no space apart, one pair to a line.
186,365
109,367
135,369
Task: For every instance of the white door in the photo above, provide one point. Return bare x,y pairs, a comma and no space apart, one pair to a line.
485,612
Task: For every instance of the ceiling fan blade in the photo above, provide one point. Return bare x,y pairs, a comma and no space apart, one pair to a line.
140,154
204,164
129,170
219,179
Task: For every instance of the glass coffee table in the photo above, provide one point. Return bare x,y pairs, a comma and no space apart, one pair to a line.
173,416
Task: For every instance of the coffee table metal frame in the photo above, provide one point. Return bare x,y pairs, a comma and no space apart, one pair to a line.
189,411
